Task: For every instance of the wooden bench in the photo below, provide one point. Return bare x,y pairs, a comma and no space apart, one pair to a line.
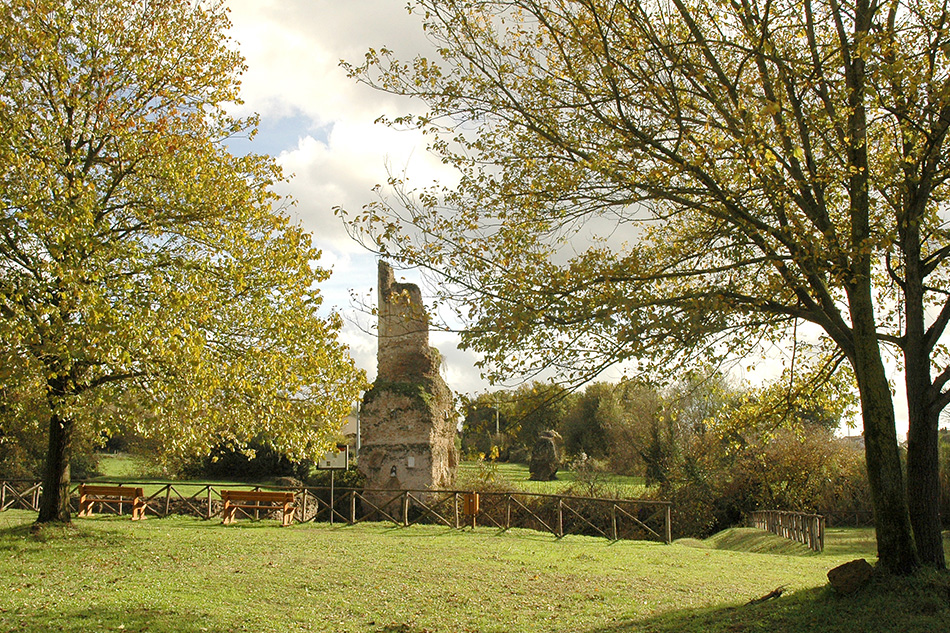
257,500
91,494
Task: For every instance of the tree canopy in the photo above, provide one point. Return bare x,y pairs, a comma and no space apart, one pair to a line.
147,276
665,181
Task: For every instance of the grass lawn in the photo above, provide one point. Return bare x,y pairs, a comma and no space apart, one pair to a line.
130,469
184,574
517,476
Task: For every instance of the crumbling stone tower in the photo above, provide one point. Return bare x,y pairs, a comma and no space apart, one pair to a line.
407,428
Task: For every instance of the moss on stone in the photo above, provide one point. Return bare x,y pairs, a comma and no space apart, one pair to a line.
419,392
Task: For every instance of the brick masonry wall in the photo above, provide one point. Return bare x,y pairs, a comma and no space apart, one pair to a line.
407,423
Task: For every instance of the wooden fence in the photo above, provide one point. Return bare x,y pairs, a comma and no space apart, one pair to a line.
808,529
614,519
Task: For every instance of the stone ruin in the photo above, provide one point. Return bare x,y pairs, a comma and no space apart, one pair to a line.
407,422
545,457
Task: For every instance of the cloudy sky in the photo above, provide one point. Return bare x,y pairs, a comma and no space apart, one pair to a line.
319,125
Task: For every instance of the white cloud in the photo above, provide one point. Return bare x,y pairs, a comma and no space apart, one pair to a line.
320,124
293,49
342,172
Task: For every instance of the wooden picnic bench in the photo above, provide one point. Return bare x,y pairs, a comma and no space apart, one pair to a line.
257,500
90,494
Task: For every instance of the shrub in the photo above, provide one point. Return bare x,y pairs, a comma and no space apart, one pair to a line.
716,484
259,461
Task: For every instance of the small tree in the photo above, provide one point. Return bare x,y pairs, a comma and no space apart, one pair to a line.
140,262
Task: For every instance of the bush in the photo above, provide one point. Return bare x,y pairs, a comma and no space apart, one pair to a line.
846,495
228,461
716,484
350,478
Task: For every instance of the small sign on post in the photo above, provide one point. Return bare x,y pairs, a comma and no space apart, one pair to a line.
334,460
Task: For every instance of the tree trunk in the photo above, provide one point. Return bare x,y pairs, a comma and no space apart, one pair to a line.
54,502
896,551
923,482
923,416
895,545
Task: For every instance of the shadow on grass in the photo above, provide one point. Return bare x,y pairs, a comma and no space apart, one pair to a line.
108,619
24,536
909,605
139,619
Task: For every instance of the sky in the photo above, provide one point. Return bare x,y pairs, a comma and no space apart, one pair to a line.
319,125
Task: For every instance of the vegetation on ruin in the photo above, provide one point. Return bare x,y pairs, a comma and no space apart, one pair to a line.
184,575
419,392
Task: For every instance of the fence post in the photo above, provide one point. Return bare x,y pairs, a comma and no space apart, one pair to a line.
456,507
807,529
405,509
613,520
352,507
669,524
560,517
209,503
508,513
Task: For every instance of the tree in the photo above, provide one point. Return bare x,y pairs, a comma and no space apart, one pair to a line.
632,433
584,428
537,407
140,262
667,180
522,414
484,421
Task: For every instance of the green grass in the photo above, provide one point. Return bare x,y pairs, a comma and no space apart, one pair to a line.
516,476
184,574
753,541
120,466
129,469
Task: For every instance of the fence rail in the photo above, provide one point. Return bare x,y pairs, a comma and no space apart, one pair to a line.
808,529
560,515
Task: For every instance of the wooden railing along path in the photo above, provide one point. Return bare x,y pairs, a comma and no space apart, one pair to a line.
808,529
614,519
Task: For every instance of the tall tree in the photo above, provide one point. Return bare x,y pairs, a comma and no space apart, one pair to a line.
681,179
139,261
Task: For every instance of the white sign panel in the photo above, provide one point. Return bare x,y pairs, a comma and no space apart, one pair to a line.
336,459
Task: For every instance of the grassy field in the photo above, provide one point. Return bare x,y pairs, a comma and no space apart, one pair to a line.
184,574
131,469
516,476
